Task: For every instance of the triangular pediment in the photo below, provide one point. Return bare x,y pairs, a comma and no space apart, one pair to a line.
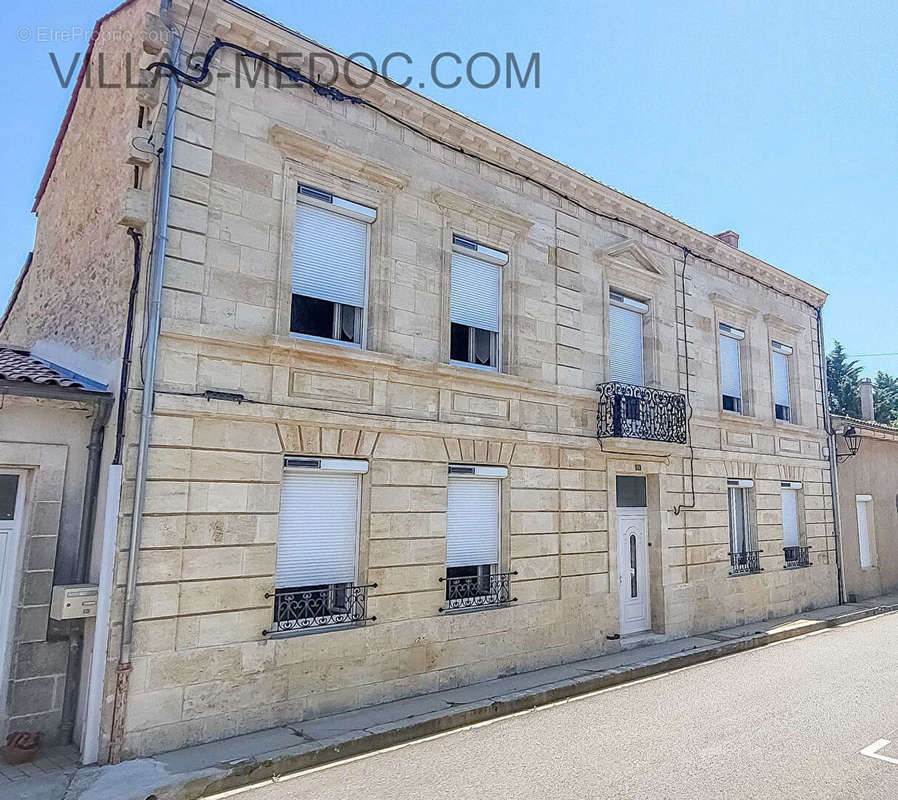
630,253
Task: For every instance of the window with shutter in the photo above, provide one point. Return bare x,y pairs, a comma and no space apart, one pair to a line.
625,322
317,543
472,537
731,367
475,303
330,265
781,402
790,518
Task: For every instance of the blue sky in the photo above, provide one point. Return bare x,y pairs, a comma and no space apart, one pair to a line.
775,119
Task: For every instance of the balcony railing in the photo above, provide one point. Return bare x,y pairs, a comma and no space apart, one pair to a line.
640,412
470,592
745,562
796,557
313,607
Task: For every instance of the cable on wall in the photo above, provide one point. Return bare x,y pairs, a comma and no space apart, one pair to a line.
691,504
333,93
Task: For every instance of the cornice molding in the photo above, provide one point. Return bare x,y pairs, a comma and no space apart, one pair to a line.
776,321
732,304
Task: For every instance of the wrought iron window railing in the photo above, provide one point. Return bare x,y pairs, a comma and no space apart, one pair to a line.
796,557
640,412
478,591
313,607
745,562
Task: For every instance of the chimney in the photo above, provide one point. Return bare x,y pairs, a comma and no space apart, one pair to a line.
866,389
728,237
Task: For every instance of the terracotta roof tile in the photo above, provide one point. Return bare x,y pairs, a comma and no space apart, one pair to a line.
20,365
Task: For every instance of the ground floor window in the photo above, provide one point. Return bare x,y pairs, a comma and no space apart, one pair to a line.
744,556
864,503
317,552
473,530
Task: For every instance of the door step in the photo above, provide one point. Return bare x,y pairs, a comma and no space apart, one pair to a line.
641,639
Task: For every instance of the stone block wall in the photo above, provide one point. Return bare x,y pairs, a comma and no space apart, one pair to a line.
203,668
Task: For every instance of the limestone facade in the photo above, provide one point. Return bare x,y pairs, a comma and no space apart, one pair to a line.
203,665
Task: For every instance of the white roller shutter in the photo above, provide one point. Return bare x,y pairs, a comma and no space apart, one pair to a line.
474,296
790,517
318,529
863,534
330,252
473,522
625,331
781,379
730,367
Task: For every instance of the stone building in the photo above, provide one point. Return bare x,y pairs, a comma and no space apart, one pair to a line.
374,468
868,501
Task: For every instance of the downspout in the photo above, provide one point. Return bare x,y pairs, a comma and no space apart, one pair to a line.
102,409
154,289
831,448
126,357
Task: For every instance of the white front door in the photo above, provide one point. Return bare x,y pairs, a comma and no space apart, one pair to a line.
11,504
632,559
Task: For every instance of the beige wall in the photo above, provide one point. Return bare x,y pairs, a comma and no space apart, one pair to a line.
47,440
873,471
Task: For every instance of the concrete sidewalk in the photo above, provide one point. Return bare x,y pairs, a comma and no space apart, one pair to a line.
196,772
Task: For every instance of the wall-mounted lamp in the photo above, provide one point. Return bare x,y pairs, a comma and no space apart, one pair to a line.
852,442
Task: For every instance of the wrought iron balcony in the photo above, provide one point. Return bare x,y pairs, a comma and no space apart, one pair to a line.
797,557
745,562
640,412
470,592
323,606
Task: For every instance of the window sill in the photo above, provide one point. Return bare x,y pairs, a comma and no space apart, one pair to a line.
312,631
797,566
472,609
745,574
306,337
469,365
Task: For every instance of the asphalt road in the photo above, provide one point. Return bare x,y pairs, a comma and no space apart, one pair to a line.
785,721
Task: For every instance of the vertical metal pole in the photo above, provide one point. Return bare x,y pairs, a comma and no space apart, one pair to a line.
154,290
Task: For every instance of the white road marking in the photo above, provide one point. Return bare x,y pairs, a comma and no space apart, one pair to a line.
872,751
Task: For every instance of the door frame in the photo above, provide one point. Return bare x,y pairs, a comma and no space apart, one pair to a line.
9,585
624,514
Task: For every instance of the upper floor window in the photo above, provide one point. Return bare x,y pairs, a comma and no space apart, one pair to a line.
330,267
475,303
625,320
782,405
731,368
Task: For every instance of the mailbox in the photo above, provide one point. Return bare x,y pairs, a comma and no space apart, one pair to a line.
74,601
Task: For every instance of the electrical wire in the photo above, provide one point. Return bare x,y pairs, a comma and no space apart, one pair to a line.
335,94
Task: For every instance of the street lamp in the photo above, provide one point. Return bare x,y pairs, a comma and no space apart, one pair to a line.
852,442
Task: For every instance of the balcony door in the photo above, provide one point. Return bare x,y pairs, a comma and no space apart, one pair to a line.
632,555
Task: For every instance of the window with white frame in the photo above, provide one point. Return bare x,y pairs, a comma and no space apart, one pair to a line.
625,323
730,339
475,303
473,534
317,548
330,267
743,553
782,404
864,503
794,552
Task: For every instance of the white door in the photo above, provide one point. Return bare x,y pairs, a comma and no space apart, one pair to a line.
632,556
11,503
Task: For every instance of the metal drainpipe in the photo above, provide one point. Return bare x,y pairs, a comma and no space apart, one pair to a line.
154,288
833,473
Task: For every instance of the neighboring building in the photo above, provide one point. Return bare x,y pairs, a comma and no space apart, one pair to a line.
868,502
49,417
376,406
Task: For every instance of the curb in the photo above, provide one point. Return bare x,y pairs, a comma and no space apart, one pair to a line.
214,780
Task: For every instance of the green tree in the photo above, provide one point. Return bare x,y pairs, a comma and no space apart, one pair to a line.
885,398
842,376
